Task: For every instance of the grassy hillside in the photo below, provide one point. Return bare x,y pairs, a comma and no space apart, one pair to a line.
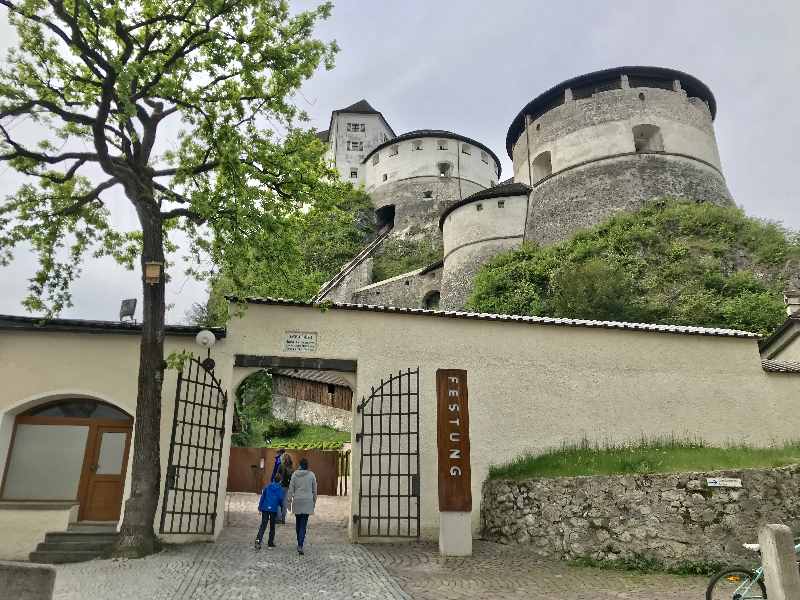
673,262
657,456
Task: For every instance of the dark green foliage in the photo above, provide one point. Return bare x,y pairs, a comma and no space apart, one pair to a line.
254,408
675,262
281,428
312,247
399,256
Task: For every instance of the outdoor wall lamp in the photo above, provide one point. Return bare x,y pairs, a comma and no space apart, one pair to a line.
152,272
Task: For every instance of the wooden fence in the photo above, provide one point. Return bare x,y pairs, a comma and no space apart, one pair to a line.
249,469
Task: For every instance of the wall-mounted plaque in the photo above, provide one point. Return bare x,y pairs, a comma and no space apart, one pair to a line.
731,482
452,416
300,341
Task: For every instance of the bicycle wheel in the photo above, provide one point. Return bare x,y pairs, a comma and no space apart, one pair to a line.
736,583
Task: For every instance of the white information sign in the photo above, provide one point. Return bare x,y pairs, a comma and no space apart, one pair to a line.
729,482
300,341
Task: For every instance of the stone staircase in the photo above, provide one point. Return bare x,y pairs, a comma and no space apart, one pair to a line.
81,542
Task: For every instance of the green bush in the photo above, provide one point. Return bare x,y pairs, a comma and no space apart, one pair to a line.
674,262
280,428
398,256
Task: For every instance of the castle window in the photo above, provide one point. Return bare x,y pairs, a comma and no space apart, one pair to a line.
385,138
427,194
442,144
385,177
501,204
353,173
444,169
356,127
466,149
538,126
542,166
431,300
484,157
479,206
394,151
376,159
416,145
647,138
355,146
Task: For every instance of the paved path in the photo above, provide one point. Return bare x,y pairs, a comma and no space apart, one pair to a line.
333,569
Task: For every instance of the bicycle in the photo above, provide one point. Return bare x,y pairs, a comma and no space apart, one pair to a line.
738,582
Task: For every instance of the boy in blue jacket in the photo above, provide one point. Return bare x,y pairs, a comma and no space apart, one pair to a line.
269,505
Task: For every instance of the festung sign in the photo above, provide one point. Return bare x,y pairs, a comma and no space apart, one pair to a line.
452,415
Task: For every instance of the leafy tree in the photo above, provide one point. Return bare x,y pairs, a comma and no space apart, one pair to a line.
313,246
102,79
672,262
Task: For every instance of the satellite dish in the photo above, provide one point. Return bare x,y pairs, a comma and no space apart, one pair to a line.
205,339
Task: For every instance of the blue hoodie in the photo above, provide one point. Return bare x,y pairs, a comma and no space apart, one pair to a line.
271,497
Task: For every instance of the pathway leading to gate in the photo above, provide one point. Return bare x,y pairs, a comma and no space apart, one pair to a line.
334,569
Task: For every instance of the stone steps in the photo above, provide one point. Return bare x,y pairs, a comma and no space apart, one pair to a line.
79,543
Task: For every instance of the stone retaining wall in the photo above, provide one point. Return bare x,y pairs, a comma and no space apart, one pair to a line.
672,518
311,413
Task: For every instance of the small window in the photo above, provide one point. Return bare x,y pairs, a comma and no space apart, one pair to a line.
427,194
647,138
376,158
484,157
331,389
538,126
442,144
385,138
542,166
479,206
355,146
465,149
394,151
407,282
501,204
385,177
444,169
353,173
356,127
416,145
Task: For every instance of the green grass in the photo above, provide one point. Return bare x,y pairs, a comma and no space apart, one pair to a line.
645,456
312,436
643,564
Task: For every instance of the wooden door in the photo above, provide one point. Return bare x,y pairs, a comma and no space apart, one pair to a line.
104,473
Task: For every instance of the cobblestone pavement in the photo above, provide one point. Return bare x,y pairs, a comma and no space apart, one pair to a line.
334,569
510,573
231,570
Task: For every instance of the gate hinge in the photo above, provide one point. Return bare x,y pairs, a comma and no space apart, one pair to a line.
358,437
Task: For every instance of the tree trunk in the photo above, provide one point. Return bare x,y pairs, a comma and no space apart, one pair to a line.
137,536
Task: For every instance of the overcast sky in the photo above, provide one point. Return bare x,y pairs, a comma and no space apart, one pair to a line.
469,66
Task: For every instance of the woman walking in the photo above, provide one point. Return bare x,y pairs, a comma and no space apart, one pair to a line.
285,471
303,497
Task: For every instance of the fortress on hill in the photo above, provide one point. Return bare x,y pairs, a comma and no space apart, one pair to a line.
583,150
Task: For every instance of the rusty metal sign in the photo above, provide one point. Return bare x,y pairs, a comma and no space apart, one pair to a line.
452,416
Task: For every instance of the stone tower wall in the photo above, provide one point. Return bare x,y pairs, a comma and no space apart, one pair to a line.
473,234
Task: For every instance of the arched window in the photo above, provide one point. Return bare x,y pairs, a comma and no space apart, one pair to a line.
431,300
647,138
542,166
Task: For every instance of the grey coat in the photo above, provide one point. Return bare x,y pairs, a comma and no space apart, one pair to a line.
302,493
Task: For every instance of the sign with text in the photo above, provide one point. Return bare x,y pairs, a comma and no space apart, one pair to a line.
730,482
452,432
300,341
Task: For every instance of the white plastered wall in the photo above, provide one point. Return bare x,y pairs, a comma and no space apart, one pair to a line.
533,387
40,366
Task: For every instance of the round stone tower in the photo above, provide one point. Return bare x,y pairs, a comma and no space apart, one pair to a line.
610,141
475,230
410,178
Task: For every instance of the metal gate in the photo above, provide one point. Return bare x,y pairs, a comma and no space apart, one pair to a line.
195,451
389,447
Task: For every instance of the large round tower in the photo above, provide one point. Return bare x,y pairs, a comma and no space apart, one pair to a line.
411,177
611,140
